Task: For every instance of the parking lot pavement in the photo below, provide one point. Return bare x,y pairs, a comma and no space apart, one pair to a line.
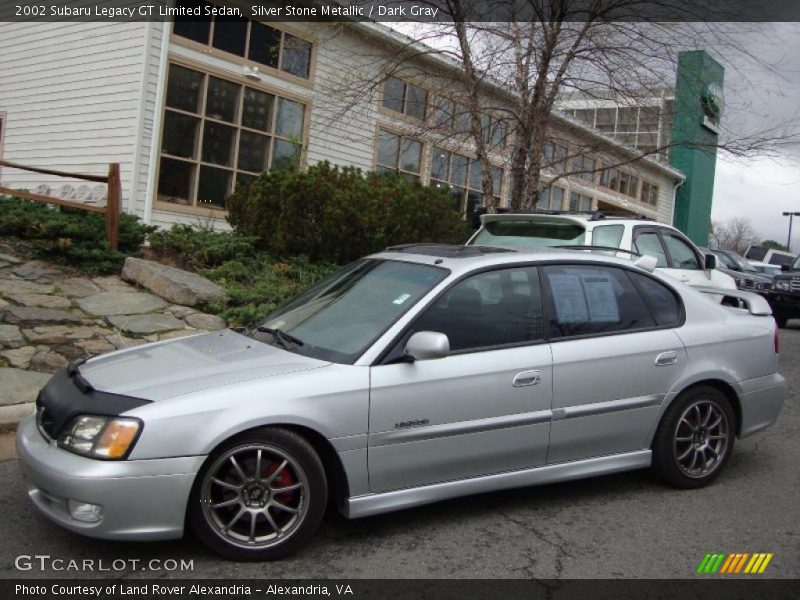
625,525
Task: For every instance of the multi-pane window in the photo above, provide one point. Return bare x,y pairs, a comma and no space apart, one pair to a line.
620,181
554,157
464,177
399,154
219,134
494,131
249,39
550,198
649,193
584,167
579,202
403,97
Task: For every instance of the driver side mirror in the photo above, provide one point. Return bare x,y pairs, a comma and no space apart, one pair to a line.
710,262
427,345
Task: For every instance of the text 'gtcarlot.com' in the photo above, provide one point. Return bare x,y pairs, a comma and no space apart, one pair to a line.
45,562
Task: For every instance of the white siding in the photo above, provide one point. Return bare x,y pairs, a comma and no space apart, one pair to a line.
71,94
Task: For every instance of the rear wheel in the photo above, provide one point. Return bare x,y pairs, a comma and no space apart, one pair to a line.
259,496
695,438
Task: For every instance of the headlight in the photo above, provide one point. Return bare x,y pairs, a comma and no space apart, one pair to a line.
740,282
781,284
101,437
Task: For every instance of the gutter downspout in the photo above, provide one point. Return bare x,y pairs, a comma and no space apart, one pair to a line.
152,166
675,200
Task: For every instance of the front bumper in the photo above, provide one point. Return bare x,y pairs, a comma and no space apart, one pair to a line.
785,304
140,499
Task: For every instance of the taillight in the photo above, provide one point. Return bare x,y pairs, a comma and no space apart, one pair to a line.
777,338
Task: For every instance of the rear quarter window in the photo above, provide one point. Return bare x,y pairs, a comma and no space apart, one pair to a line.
663,304
528,234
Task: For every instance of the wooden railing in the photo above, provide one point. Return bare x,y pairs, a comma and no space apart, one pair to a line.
113,195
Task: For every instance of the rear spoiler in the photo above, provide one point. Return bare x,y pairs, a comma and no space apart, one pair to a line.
755,304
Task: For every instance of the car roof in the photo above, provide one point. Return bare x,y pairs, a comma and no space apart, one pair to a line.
460,260
586,219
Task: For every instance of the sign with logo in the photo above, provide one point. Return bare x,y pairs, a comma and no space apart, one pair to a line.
713,105
734,563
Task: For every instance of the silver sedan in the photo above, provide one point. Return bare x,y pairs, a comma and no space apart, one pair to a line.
415,375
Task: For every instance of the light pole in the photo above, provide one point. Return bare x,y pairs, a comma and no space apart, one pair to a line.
791,215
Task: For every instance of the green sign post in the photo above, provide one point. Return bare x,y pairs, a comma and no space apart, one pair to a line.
695,132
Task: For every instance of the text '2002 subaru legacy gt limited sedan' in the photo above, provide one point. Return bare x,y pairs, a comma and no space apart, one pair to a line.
414,375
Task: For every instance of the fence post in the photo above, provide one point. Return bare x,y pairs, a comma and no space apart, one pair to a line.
113,205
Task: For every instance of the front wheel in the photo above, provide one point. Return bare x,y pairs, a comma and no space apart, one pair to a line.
695,438
259,496
781,322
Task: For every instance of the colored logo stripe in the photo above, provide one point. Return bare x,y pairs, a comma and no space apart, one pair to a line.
737,562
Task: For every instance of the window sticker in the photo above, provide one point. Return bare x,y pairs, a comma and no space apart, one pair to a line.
401,298
601,298
569,298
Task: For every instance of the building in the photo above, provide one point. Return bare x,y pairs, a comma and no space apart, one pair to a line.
679,127
191,110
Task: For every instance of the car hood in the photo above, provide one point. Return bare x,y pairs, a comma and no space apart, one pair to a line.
745,275
177,367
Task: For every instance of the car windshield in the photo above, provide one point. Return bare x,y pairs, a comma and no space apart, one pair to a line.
741,263
529,234
339,317
796,265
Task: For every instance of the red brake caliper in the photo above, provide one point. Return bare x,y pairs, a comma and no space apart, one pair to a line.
284,479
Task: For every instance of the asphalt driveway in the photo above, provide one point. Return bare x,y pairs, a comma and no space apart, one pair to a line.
625,525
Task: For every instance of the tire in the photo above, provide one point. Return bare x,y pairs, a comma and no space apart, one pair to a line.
250,514
781,321
697,425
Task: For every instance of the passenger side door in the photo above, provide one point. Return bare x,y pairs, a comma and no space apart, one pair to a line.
484,408
615,356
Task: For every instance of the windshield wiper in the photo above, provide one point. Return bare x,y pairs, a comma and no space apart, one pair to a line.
284,339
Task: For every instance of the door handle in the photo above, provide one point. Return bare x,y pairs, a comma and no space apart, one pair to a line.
527,378
666,358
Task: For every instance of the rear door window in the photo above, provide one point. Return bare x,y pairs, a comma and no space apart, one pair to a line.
593,299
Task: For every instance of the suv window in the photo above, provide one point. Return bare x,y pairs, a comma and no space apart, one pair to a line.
663,303
682,254
648,242
488,309
589,299
529,234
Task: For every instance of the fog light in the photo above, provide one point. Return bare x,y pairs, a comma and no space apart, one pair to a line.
85,512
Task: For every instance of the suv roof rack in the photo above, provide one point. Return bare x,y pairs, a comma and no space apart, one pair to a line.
447,250
596,215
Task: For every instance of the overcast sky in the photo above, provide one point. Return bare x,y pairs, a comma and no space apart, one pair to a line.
762,188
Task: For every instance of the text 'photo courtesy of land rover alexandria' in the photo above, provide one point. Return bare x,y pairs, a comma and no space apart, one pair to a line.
785,298
411,376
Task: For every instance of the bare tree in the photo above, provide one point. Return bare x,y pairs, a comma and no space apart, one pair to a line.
735,234
518,68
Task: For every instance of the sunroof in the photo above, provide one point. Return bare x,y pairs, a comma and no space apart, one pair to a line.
446,250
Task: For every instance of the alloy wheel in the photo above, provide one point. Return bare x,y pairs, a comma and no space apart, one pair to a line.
701,438
255,496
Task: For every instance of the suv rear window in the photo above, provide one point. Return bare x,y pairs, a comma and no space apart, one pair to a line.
529,234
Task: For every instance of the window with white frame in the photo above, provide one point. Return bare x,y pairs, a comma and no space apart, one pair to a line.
253,40
649,194
399,154
550,198
406,98
464,177
219,133
579,202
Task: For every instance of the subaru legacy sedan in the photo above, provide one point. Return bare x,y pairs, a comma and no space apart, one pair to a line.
412,376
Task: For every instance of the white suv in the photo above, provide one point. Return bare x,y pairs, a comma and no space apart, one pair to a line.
675,254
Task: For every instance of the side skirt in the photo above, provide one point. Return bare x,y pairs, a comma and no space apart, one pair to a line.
374,504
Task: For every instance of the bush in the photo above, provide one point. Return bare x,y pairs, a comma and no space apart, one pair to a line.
337,214
71,236
256,286
201,248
